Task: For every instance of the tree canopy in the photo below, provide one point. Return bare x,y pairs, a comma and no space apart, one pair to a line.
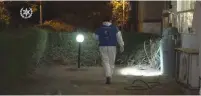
84,14
4,15
118,10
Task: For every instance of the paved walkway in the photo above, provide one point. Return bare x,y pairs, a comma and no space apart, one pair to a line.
60,79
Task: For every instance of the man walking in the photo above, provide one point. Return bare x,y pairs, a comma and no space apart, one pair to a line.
108,36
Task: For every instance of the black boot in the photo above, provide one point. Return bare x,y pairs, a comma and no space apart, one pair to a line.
108,80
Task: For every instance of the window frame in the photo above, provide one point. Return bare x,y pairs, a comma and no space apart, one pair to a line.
180,24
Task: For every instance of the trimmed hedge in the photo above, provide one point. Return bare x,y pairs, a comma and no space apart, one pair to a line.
23,49
20,50
63,48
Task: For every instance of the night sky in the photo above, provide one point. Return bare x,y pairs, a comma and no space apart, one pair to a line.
77,13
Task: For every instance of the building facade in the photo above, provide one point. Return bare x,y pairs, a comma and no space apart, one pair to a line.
150,13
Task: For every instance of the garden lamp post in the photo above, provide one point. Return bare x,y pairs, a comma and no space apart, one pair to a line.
123,15
79,39
41,14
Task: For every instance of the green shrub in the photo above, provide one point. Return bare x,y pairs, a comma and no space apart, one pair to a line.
63,46
57,26
21,50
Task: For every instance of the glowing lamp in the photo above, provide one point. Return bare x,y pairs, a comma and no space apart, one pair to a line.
80,38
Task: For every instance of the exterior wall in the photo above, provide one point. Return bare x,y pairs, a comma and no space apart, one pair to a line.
141,14
152,27
150,16
153,10
189,41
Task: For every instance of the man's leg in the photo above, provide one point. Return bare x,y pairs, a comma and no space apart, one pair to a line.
112,57
106,63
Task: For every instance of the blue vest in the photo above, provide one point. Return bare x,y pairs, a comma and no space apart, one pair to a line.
107,35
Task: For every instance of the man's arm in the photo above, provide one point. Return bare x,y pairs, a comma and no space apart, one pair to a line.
120,39
95,36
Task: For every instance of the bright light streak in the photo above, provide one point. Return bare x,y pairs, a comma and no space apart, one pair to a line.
136,72
161,58
80,38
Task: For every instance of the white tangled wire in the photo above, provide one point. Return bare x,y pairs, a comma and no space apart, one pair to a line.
147,56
